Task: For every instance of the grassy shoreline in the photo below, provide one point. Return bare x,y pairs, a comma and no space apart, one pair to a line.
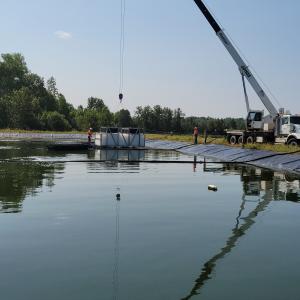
222,141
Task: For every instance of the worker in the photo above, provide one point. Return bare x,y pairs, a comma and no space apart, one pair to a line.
90,134
196,132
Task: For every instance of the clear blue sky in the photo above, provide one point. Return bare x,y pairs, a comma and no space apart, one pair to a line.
172,57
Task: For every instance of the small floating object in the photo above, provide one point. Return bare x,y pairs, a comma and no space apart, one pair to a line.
118,196
212,187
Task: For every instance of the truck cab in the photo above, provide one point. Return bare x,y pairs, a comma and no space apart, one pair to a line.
290,129
289,124
255,120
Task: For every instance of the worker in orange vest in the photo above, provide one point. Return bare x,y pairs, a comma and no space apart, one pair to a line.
196,132
90,134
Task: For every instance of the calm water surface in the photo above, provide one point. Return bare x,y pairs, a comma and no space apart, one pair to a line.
65,236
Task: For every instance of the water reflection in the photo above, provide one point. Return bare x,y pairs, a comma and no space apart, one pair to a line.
256,181
114,155
133,155
112,164
259,185
18,149
18,180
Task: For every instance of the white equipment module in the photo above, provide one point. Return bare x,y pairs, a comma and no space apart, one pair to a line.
112,137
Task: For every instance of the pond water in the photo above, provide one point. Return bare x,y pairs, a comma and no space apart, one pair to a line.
65,235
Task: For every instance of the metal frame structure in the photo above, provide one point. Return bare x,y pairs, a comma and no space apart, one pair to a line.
113,137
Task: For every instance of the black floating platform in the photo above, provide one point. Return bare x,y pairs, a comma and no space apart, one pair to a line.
70,146
286,162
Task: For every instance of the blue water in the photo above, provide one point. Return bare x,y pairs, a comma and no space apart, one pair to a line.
64,234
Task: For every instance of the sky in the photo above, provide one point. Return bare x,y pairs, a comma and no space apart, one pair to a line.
172,56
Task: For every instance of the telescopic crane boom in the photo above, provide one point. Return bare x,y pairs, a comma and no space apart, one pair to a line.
243,68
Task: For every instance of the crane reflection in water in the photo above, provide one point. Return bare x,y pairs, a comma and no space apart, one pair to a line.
259,185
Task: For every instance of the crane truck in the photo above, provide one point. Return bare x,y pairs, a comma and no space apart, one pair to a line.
278,126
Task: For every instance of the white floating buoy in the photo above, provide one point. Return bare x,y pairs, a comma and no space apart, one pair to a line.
212,187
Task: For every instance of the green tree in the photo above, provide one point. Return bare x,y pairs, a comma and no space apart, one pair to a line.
144,117
3,113
105,118
63,107
53,120
87,118
166,119
177,118
95,103
47,100
157,118
23,109
12,72
123,118
51,87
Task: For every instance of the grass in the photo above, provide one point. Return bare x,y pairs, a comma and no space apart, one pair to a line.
274,148
222,141
185,138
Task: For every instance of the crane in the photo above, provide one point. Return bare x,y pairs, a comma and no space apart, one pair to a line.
243,68
278,126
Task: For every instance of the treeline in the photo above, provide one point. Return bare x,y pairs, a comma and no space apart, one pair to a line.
28,102
163,119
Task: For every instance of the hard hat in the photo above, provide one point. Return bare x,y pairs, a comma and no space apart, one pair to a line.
91,128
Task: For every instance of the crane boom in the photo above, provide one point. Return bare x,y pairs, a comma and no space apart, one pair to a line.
244,69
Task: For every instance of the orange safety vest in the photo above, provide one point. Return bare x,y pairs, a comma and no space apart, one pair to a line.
196,131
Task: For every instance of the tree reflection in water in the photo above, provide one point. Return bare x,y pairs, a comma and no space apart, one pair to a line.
18,180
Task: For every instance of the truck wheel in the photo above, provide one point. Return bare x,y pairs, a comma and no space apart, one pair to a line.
232,140
241,140
250,140
293,142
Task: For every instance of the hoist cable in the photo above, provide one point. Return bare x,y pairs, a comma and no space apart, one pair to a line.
116,253
122,45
